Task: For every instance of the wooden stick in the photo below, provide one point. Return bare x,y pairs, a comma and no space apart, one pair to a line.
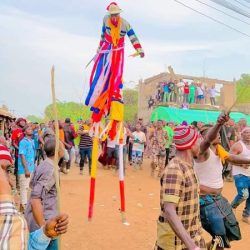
56,168
216,243
228,110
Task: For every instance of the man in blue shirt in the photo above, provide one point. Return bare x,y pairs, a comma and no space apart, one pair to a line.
26,164
36,141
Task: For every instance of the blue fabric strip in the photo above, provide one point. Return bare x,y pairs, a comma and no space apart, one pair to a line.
131,32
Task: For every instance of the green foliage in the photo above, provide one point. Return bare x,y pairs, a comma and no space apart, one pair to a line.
77,110
243,88
68,109
130,97
33,118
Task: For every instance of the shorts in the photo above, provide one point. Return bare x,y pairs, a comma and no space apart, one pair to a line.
218,219
200,97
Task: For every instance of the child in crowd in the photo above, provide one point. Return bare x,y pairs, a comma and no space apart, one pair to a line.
85,145
139,140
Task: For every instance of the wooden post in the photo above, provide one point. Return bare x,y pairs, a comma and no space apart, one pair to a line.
56,168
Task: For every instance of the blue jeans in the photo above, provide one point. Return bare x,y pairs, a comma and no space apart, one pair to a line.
242,184
214,210
85,152
136,158
53,245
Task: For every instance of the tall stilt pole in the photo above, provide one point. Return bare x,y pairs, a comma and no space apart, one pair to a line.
93,170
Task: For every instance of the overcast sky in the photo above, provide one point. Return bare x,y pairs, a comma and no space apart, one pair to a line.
37,34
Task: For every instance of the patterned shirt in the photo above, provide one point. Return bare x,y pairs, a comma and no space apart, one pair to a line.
179,185
14,230
85,139
13,227
158,140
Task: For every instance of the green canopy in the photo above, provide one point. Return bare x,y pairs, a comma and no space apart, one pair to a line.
179,115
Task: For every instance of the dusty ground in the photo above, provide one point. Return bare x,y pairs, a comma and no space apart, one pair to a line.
106,231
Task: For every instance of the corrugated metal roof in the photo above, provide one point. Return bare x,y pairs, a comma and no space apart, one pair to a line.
6,113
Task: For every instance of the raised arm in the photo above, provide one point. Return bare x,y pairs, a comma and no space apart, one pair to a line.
212,133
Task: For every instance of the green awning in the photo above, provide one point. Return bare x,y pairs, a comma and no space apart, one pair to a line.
179,115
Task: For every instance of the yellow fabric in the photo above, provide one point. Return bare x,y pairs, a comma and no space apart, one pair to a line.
171,198
104,136
115,31
165,236
121,133
86,127
222,153
116,111
94,157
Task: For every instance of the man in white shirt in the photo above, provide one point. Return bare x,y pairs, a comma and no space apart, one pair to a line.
242,175
216,213
139,140
212,93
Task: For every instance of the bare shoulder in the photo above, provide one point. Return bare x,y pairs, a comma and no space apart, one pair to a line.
236,148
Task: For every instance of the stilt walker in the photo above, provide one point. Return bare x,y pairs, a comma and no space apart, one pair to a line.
104,96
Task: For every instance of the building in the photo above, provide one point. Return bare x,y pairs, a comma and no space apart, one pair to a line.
148,87
5,118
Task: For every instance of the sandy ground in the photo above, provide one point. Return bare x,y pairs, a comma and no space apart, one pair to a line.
105,231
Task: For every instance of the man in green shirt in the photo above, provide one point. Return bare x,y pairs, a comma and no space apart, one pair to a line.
170,132
192,91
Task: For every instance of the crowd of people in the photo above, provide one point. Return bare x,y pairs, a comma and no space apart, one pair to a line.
212,151
183,93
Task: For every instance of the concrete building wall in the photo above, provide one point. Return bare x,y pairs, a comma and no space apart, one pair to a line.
149,86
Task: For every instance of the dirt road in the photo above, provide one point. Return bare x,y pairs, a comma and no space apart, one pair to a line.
106,232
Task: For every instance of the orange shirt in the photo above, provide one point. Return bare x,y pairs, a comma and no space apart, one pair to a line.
61,135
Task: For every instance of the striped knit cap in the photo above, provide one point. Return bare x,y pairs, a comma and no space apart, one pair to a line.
184,137
5,153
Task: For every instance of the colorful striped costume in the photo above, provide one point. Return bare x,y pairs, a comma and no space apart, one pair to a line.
106,75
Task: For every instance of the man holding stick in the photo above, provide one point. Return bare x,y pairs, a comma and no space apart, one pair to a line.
42,205
216,213
13,227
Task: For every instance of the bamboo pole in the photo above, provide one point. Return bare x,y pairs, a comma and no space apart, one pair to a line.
56,168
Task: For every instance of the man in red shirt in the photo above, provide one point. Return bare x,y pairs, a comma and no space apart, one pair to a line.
186,92
16,137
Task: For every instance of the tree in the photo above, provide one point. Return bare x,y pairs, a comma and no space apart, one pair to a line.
72,110
243,88
130,98
76,111
33,118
